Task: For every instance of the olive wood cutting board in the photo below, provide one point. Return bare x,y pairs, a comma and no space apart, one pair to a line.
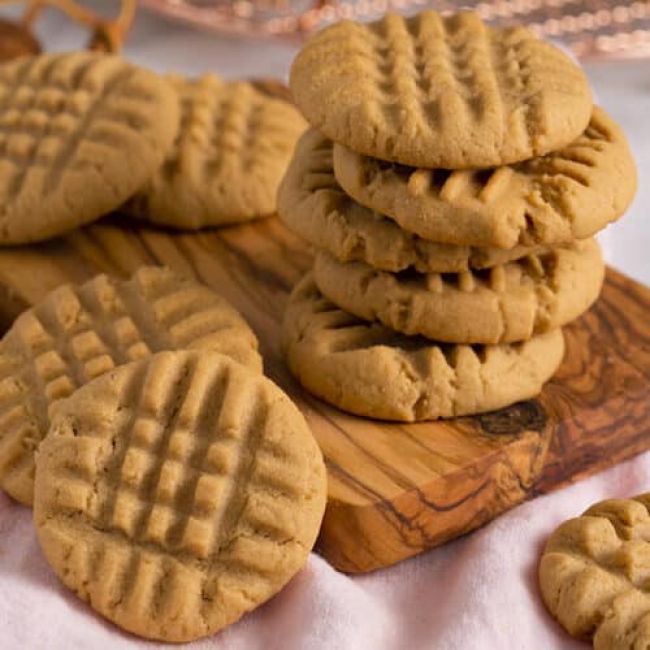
394,490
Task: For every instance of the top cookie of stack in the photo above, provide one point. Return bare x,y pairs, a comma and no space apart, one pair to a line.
451,182
430,91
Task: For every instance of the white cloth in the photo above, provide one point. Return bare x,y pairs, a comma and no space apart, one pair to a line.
478,592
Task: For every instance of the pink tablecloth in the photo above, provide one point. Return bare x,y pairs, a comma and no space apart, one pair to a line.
477,592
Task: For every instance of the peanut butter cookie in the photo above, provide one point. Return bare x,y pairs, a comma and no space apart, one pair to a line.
370,370
440,92
506,303
313,205
79,134
80,332
177,493
232,149
593,574
567,194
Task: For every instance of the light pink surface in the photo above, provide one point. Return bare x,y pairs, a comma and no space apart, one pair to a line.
477,592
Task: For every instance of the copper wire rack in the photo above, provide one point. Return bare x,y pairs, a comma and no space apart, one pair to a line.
590,28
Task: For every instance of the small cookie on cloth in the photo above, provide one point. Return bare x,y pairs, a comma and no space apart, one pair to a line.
440,92
176,493
370,370
313,205
594,574
232,149
79,134
506,303
567,194
79,332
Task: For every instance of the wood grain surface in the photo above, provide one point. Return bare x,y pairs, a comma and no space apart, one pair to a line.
394,490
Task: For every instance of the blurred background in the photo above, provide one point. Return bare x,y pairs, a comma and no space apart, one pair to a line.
590,28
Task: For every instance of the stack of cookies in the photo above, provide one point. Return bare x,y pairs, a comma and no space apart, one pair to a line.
452,181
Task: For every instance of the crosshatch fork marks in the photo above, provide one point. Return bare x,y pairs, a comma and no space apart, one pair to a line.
79,134
206,421
97,110
440,92
164,391
222,425
24,161
228,158
251,438
80,332
38,78
190,481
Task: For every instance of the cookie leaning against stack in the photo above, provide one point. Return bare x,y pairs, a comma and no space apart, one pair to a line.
451,180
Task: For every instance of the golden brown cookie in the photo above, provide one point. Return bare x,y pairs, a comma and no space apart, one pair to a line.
571,193
232,148
506,303
79,134
177,493
370,370
313,205
594,571
79,332
440,92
